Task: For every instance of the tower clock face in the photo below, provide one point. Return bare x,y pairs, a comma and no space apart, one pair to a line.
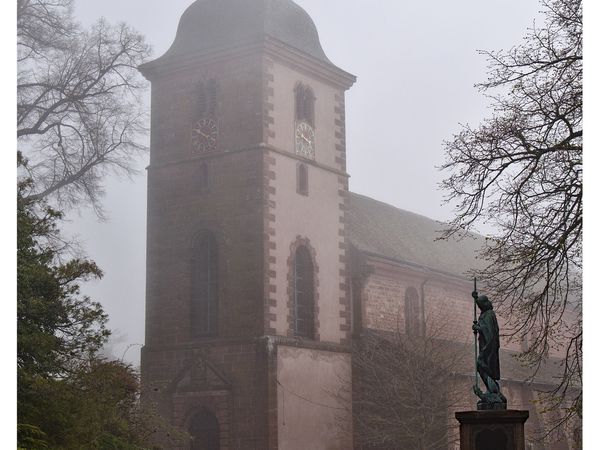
305,140
204,135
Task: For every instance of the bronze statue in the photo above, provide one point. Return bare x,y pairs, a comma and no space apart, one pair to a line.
488,358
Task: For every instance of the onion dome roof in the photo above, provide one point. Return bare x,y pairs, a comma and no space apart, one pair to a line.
210,24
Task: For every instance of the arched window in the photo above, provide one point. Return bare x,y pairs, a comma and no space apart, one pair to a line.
204,429
412,319
204,286
302,179
305,104
304,294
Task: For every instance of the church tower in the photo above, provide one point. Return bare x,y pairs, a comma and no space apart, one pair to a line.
247,301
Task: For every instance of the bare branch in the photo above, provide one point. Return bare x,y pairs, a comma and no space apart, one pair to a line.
79,110
521,172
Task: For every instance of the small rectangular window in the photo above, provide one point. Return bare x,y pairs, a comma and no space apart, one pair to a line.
202,178
302,179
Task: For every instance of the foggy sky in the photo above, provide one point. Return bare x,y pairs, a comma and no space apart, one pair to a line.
416,64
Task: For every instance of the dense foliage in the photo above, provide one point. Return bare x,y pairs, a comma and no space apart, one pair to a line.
68,396
79,115
57,327
94,407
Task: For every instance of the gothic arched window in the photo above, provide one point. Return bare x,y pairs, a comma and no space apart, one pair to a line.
305,104
205,431
304,294
302,179
412,318
204,286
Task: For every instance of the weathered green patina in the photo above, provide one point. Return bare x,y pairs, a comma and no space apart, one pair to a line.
488,360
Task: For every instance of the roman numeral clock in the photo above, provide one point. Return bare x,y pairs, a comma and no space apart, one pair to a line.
204,135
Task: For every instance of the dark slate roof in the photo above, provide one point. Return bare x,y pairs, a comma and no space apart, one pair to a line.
377,228
209,24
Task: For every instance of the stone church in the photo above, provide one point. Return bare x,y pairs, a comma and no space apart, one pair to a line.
262,266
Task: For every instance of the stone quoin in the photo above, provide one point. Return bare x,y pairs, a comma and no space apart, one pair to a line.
262,266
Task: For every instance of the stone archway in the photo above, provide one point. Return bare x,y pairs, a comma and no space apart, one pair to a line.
205,431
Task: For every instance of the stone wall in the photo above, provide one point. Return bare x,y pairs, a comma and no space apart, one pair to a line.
379,290
230,206
250,205
227,378
315,219
313,411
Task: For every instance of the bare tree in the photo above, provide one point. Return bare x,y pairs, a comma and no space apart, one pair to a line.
405,389
521,172
79,112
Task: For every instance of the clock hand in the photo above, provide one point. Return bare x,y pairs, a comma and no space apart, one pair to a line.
200,132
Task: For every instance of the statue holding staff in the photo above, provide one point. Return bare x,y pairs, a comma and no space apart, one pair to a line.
488,357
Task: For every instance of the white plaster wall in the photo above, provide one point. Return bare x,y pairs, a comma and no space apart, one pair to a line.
285,79
313,413
315,217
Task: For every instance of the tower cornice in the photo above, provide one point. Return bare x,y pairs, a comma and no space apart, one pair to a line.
267,46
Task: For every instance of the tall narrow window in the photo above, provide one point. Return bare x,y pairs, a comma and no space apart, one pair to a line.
211,96
299,91
206,98
201,100
411,312
205,430
204,287
203,178
305,104
302,179
304,294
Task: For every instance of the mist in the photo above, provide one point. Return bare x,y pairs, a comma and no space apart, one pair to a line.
416,64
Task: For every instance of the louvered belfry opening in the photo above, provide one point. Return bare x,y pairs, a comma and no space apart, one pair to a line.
206,98
304,294
204,286
305,104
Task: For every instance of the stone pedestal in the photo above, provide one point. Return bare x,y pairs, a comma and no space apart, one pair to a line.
492,430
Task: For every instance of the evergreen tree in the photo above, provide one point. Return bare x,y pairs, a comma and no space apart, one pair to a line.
68,397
